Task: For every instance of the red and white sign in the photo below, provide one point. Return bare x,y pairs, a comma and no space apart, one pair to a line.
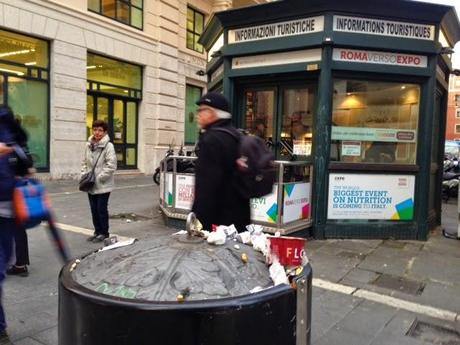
381,58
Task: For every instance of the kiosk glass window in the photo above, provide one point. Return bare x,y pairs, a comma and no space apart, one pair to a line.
375,122
296,123
259,113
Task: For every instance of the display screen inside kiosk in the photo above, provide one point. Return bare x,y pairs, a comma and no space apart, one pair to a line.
374,122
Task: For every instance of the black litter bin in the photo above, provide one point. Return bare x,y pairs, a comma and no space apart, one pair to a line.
131,296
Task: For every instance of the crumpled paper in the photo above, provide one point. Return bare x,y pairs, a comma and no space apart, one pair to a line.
217,237
277,273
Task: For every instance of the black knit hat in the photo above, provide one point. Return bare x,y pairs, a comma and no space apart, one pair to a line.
214,100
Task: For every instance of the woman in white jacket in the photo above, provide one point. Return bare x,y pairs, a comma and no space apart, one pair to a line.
100,153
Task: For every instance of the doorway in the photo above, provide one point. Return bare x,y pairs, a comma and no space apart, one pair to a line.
282,115
121,114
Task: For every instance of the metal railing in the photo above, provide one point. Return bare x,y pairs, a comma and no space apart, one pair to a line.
290,174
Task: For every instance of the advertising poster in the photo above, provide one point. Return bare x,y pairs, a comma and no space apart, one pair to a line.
384,197
265,209
166,194
373,134
185,191
301,148
296,204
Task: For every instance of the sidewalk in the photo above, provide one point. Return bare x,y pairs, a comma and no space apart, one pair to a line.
361,293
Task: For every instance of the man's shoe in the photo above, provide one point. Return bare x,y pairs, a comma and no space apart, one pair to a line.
99,238
91,238
21,271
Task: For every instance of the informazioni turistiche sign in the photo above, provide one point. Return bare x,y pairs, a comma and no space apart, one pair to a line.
280,29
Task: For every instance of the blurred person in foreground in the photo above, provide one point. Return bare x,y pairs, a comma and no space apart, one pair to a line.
11,134
217,200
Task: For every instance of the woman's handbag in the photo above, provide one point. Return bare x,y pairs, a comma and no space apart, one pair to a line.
30,203
88,179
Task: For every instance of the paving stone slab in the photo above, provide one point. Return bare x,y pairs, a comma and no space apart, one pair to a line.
434,267
385,264
49,336
27,341
342,337
31,325
368,319
331,267
357,275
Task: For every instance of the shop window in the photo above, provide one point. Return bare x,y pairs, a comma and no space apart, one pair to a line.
113,76
375,122
457,129
192,94
24,65
195,25
125,11
29,101
114,90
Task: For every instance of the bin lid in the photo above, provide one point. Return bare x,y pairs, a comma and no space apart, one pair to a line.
162,268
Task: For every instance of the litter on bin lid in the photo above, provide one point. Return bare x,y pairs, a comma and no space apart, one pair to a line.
278,274
119,244
217,237
244,258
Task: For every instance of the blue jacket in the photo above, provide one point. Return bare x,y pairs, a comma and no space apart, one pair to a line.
7,180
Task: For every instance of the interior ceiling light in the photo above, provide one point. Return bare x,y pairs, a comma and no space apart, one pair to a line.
11,71
32,63
17,52
91,67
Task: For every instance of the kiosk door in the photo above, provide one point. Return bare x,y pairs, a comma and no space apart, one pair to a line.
282,116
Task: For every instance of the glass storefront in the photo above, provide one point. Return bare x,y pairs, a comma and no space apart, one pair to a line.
375,122
114,91
24,70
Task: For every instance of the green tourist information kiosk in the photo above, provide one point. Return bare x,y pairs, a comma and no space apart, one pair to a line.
352,96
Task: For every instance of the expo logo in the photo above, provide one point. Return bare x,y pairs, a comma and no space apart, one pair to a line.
339,178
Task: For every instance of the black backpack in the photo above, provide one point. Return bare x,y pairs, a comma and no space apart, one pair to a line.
256,172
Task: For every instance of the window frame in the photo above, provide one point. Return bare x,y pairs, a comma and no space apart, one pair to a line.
457,112
194,32
130,5
457,129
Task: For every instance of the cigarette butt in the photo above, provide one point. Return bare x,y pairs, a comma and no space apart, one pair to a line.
244,258
180,298
298,270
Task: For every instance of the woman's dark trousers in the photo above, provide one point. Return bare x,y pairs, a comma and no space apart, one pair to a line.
100,213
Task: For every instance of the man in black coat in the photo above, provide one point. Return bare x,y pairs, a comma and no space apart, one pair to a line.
217,200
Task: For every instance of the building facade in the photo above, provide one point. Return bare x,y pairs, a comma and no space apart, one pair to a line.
453,109
133,63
